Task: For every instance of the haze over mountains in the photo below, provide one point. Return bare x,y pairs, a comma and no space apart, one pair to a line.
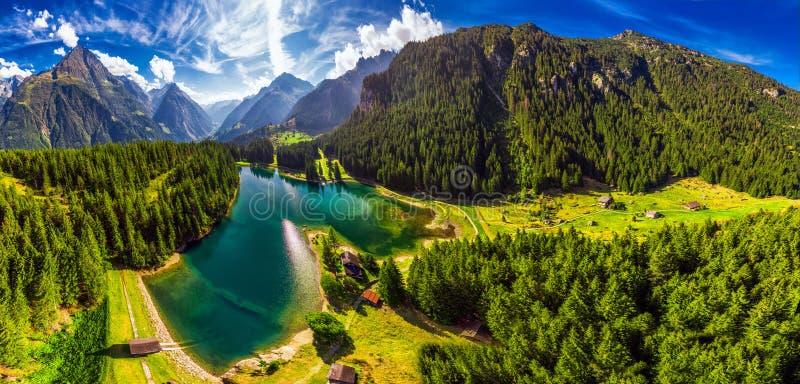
8,86
333,100
220,110
270,106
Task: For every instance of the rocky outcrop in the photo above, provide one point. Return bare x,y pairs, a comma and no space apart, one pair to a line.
772,92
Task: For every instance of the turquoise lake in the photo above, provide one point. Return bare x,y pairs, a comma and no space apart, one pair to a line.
246,286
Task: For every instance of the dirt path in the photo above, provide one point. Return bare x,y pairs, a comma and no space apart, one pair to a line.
128,303
145,367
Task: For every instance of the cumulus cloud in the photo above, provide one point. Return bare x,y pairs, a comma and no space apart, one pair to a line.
67,34
412,26
118,66
162,68
40,22
10,69
60,51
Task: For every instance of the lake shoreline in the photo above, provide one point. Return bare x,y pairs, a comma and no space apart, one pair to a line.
294,341
164,335
287,347
290,342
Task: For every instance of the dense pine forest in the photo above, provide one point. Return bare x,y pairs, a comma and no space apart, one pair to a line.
708,303
78,212
526,109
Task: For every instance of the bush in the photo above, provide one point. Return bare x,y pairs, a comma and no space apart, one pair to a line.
350,285
333,287
327,329
618,206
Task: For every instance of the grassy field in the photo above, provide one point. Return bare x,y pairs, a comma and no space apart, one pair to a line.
385,340
125,369
291,137
446,213
385,343
7,181
578,209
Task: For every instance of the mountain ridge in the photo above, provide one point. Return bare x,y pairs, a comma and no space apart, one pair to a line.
178,113
270,105
524,109
76,103
333,100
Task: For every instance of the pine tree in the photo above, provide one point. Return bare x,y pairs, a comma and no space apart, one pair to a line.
390,283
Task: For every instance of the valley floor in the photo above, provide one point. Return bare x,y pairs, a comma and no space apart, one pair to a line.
385,340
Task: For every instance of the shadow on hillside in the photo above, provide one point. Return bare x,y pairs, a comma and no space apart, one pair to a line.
417,319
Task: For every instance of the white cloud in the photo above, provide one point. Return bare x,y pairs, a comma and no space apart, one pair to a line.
10,68
60,51
40,22
743,58
412,26
253,28
621,9
189,91
67,34
162,69
118,66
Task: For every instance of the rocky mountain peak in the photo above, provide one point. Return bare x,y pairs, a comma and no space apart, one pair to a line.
83,64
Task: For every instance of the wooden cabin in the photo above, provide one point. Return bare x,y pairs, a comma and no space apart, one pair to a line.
692,206
352,267
371,297
140,347
605,201
341,374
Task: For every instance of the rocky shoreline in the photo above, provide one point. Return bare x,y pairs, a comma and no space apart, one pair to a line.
178,356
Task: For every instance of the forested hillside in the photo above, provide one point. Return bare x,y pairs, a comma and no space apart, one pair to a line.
526,109
77,212
688,305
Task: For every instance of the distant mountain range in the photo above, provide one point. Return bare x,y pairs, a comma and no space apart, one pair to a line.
270,106
220,110
79,102
333,100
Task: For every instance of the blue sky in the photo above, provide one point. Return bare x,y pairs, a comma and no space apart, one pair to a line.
220,50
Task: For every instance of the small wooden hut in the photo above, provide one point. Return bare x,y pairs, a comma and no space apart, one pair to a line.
341,374
146,346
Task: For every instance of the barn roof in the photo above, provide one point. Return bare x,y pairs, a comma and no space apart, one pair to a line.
342,373
144,346
371,296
